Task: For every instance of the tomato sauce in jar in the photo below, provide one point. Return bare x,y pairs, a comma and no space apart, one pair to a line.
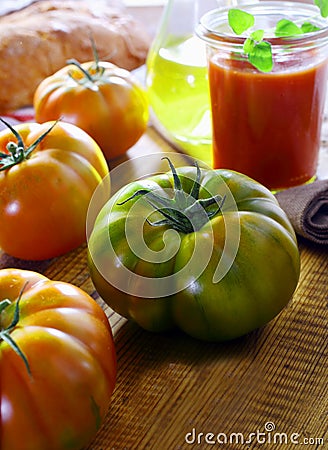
267,125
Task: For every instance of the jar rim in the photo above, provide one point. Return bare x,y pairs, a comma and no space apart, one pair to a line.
208,26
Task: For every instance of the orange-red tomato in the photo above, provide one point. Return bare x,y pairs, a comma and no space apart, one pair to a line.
99,97
44,195
56,392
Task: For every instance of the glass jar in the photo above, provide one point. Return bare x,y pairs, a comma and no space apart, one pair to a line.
268,124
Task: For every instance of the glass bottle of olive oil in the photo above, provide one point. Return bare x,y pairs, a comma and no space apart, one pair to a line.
176,79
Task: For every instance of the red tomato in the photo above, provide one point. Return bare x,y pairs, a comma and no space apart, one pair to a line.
56,388
44,194
99,97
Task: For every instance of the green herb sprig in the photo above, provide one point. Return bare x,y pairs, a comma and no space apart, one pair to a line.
259,51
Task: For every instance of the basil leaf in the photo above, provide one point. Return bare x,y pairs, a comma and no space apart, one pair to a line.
248,46
261,57
323,6
287,28
257,35
239,20
308,27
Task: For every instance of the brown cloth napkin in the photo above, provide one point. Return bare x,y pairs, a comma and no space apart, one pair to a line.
307,209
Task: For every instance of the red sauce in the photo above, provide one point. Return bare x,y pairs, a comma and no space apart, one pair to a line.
267,125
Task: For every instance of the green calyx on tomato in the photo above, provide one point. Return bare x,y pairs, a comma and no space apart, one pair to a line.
91,75
185,211
5,332
17,151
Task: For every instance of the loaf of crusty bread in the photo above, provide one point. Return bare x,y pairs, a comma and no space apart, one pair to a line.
37,40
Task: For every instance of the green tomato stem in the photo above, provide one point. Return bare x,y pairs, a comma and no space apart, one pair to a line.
17,152
87,75
5,332
185,212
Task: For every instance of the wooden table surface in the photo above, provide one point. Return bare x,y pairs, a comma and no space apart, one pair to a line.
172,388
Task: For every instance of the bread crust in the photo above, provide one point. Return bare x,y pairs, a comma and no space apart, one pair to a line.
37,40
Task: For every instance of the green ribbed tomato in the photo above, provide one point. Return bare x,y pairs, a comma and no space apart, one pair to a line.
208,251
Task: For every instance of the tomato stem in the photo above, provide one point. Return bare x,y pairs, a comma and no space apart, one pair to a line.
5,333
83,70
185,212
96,56
89,79
97,68
17,151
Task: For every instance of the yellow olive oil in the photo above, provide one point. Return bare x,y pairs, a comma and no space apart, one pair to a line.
178,91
